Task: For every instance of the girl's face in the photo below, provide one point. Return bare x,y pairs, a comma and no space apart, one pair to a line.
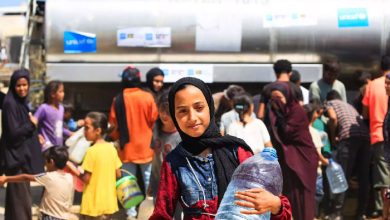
91,133
158,82
387,86
59,94
166,119
21,87
192,111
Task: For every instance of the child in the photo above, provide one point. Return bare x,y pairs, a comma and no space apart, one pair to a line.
50,116
251,130
154,81
326,200
69,122
312,112
198,170
165,139
100,168
58,195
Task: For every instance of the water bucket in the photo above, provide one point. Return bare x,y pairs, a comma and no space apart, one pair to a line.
128,191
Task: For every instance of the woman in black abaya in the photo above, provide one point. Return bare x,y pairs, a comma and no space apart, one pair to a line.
20,148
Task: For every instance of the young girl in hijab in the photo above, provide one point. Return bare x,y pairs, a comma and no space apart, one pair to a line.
20,148
197,172
297,155
154,81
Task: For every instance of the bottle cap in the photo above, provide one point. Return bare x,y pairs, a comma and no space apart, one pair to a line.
270,151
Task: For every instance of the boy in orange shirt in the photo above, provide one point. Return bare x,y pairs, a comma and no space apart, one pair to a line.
133,114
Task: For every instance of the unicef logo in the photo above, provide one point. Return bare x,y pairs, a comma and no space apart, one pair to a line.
352,17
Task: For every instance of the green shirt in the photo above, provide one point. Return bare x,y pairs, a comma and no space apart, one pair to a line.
320,126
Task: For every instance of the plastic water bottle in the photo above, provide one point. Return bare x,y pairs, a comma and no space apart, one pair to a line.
336,177
260,171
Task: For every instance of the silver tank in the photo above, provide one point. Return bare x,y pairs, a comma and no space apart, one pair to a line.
240,39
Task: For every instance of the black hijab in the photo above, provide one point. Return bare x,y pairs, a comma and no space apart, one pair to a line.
150,76
12,95
19,141
222,147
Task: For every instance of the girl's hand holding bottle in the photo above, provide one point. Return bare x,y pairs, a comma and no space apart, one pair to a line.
259,199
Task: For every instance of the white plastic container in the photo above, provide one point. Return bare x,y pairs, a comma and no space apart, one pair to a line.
78,146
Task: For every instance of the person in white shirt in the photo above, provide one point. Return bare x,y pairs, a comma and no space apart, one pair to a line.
250,129
57,198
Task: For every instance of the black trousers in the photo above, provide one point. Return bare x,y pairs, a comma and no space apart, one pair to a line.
354,153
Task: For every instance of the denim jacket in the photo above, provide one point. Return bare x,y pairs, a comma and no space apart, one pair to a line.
196,178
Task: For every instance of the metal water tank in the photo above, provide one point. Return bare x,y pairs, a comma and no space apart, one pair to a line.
232,40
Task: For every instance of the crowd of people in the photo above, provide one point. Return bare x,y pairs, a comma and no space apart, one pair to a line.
185,143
